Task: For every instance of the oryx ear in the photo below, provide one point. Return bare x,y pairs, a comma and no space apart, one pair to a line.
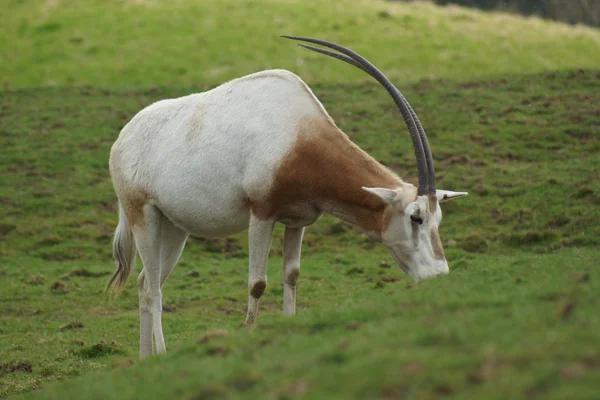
446,195
387,195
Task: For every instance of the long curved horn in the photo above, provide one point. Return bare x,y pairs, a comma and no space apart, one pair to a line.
419,138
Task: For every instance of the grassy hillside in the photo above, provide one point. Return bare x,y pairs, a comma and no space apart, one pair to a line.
517,316
511,109
178,43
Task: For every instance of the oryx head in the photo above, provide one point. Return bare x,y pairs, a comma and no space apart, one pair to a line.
413,214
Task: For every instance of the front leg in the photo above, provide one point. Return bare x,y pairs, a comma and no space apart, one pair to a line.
292,244
260,234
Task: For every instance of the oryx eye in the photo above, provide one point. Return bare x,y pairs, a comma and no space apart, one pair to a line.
417,219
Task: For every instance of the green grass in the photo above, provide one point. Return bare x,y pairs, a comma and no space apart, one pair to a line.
186,42
514,121
515,318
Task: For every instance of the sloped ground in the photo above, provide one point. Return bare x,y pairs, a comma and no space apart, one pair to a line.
145,43
515,318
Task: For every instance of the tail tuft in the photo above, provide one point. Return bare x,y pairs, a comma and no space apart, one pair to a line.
124,252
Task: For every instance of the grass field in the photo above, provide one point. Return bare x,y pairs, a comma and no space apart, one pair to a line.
145,43
516,318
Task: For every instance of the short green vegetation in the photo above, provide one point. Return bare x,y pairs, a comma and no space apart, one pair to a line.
516,318
133,43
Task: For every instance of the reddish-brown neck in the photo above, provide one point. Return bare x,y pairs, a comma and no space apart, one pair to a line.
327,171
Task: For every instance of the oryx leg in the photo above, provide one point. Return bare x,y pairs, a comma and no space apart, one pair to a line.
260,234
159,245
292,244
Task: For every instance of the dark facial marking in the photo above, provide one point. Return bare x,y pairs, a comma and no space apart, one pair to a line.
415,235
436,243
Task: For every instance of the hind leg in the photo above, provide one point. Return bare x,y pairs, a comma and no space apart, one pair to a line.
159,245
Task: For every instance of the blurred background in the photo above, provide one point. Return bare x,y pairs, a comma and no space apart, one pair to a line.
571,11
129,43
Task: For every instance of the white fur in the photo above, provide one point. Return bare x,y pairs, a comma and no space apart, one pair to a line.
201,159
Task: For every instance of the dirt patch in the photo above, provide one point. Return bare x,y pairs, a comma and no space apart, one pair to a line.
574,371
245,382
49,242
100,350
214,351
530,238
210,392
579,276
354,325
36,280
72,325
558,222
59,287
6,229
444,389
210,335
394,392
565,308
291,390
355,270
584,192
474,243
474,378
170,308
82,272
23,366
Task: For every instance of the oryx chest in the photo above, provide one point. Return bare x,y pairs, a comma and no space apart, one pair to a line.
299,214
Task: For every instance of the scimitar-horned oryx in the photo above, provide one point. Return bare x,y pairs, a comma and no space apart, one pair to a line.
255,151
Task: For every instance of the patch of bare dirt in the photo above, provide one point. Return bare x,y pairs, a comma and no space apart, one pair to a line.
23,366
210,335
169,308
82,272
59,287
72,325
36,280
579,276
565,308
